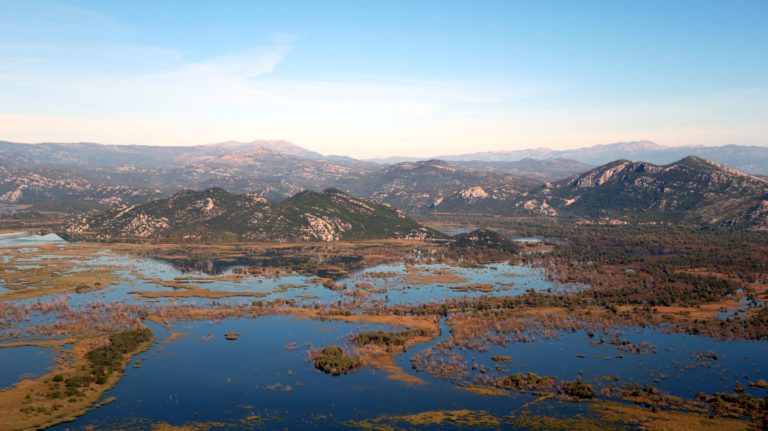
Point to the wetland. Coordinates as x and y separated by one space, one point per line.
389 334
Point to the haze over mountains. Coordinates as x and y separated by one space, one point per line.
751 159
80 177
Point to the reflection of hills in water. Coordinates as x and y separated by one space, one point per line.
299 258
27 238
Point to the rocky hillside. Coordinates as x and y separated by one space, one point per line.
62 189
691 190
77 177
274 170
423 186
217 215
546 169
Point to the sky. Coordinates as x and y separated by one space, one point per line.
382 78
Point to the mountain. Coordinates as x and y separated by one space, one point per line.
68 155
272 169
691 190
420 186
751 159
59 189
282 147
217 215
543 169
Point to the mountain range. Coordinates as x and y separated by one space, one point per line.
751 159
81 177
69 176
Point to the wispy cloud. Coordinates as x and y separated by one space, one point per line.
68 73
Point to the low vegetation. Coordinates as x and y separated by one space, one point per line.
389 339
334 360
528 381
576 389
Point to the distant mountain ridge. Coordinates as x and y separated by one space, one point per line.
691 190
217 215
751 159
144 156
56 174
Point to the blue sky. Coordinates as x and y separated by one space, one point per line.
368 78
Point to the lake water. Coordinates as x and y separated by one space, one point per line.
27 238
676 364
17 363
259 382
228 381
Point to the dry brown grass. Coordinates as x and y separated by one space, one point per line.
418 275
485 390
196 292
665 420
51 411
190 426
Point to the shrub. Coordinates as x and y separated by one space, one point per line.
388 339
577 389
334 360
522 382
107 359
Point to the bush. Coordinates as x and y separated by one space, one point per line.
388 339
334 360
107 359
522 382
577 389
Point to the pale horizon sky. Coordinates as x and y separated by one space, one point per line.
378 79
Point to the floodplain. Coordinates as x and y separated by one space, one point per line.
363 335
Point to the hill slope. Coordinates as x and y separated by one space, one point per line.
54 188
217 215
691 190
423 185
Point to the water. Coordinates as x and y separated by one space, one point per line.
677 364
26 238
228 381
381 284
23 362
505 279
203 377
